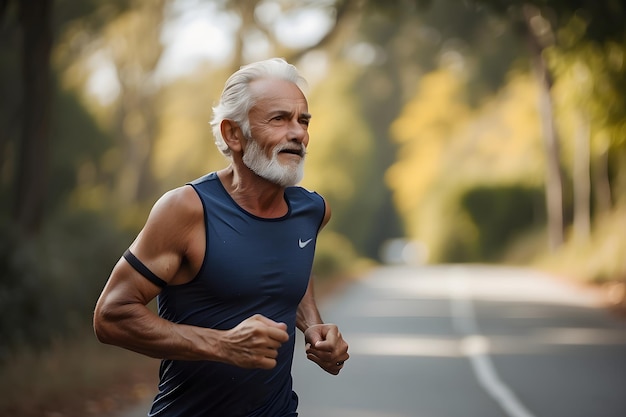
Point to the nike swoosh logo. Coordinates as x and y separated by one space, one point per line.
303 244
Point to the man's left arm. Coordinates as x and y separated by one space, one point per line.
324 344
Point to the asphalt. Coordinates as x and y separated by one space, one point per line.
471 341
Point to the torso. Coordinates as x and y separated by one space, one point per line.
250 265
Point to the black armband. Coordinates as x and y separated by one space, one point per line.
143 270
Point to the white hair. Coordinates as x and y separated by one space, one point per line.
236 99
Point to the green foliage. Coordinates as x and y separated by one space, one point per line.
448 149
590 81
462 158
184 148
344 162
500 215
10 116
49 285
92 14
79 144
604 18
27 311
334 255
411 40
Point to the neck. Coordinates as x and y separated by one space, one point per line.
254 194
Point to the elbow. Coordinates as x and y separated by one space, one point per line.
101 334
103 327
100 331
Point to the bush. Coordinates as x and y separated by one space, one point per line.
28 307
502 214
49 284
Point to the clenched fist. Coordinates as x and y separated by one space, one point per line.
325 346
254 343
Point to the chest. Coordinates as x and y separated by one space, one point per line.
247 257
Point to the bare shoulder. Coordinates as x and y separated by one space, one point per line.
179 204
173 222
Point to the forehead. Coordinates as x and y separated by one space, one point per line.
273 94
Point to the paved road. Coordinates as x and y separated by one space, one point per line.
467 341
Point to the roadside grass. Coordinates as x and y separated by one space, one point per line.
598 262
74 378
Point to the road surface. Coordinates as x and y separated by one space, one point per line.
467 341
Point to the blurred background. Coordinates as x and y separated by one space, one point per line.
444 131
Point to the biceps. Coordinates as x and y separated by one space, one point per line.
127 286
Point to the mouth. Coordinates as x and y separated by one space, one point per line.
293 151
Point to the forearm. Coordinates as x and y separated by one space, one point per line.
308 313
135 327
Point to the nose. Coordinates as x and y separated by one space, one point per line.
298 133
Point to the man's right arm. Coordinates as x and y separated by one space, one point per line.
122 317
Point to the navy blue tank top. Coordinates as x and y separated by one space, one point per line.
251 265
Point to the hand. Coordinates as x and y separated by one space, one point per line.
325 346
254 342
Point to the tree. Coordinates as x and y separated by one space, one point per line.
132 42
539 35
406 41
39 23
35 24
541 21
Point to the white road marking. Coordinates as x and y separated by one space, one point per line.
476 346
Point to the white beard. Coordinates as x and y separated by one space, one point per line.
271 169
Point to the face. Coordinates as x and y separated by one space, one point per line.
279 132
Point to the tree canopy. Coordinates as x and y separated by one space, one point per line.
427 126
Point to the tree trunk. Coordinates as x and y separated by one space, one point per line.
554 180
245 10
582 180
35 22
618 181
136 121
601 182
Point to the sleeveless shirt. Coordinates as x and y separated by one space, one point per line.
251 265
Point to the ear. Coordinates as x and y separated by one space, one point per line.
232 134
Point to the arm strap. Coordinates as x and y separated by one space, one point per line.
143 270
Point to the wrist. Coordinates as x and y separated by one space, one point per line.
306 325
212 345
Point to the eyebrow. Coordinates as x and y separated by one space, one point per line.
307 116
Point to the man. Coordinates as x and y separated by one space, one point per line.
229 257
